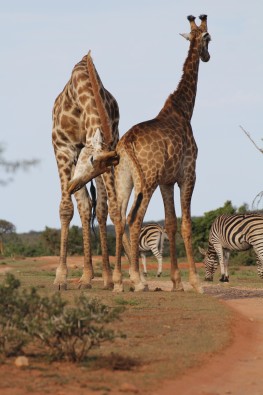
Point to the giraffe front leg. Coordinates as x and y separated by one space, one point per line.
101 214
66 214
84 209
117 274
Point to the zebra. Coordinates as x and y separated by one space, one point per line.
236 232
151 238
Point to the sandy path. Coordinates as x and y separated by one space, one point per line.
236 371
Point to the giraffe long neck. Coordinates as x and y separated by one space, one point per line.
183 98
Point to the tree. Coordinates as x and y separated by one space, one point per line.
5 228
259 196
51 240
13 166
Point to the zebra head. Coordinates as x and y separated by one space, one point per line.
210 262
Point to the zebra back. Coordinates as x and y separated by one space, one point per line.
237 231
151 238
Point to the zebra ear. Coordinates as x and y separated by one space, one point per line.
202 251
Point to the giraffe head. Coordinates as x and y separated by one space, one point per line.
200 35
92 162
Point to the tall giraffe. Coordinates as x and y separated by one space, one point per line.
162 151
85 118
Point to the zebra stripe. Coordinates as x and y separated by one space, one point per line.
151 238
237 232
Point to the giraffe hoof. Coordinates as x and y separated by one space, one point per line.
108 286
178 288
141 288
118 288
84 286
159 274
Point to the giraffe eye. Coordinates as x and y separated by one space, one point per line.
91 159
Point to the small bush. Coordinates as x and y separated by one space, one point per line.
12 337
65 332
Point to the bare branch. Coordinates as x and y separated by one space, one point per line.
250 138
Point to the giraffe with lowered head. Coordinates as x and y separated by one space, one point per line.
85 119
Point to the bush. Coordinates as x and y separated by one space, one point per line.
65 332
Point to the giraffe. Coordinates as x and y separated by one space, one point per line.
162 152
85 118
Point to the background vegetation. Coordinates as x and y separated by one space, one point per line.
47 242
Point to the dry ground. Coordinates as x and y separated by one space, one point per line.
234 366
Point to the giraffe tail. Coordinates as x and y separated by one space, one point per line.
135 208
97 87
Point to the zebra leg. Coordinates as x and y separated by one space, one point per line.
143 258
225 277
220 253
260 267
160 265
258 252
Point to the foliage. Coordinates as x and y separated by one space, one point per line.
12 166
12 336
65 332
48 241
6 227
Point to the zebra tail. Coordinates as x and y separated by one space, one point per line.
130 149
136 207
94 205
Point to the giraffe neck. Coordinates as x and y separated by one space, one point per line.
183 98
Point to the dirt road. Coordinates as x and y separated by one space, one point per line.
236 371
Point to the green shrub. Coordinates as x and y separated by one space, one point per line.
12 336
65 332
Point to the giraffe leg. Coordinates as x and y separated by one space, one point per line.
123 188
167 192
136 276
66 213
101 214
66 209
84 209
109 183
186 190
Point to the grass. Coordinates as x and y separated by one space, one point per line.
166 333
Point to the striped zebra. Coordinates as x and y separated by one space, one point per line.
237 232
152 237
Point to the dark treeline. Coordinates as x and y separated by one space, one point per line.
47 242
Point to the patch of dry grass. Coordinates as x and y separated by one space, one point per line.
166 333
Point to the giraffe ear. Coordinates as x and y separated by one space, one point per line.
97 140
186 35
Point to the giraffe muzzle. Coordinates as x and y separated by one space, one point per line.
101 164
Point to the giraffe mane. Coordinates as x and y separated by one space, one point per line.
103 114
